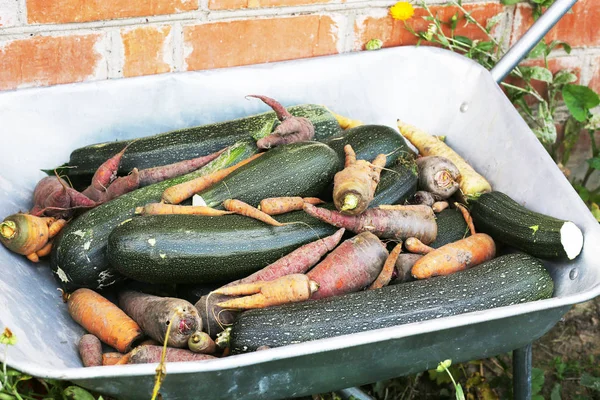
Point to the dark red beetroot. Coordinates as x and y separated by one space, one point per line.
292 129
90 350
353 265
152 354
53 197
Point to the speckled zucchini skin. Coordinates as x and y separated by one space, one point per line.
78 257
451 227
506 280
302 169
196 249
184 144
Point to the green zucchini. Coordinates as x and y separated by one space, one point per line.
183 144
78 257
451 227
196 249
540 235
368 141
506 280
302 169
397 183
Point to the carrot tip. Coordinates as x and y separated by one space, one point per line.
350 202
8 229
314 286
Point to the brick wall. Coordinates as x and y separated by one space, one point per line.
47 42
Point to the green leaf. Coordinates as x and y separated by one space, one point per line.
595 211
60 170
539 50
538 73
464 39
579 100
537 397
563 77
583 192
593 122
545 130
571 136
485 46
78 393
537 380
374 44
555 395
454 21
594 162
590 382
460 395
443 365
510 2
558 43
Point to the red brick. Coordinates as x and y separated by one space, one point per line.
64 11
46 60
227 44
595 80
8 13
145 50
579 28
394 33
237 4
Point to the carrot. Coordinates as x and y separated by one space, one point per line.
90 350
178 193
281 205
104 319
29 235
152 354
297 262
284 290
153 314
354 186
456 256
111 358
292 129
385 276
201 342
438 176
404 264
414 245
241 208
471 183
345 122
439 206
163 209
104 175
54 198
351 266
154 175
396 224
466 216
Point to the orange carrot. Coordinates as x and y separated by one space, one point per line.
354 186
163 209
281 205
439 206
201 342
111 358
241 208
414 245
287 289
385 276
104 319
29 235
467 217
456 256
178 193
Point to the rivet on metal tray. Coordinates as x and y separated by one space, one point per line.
464 107
574 274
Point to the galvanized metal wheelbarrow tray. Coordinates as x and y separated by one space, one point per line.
437 90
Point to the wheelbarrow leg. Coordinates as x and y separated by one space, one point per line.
522 373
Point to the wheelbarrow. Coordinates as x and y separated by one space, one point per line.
437 90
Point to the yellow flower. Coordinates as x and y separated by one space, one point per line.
402 10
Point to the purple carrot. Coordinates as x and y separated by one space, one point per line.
353 265
152 354
53 198
150 176
104 175
297 262
90 350
404 264
397 224
292 129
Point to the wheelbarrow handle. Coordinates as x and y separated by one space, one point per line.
528 41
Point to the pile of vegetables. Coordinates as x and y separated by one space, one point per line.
276 229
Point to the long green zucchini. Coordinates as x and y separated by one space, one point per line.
537 234
451 227
78 256
509 279
196 249
183 144
368 141
302 169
